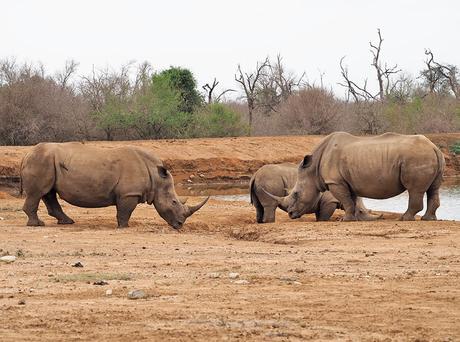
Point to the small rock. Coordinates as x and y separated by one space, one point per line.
136 294
108 292
191 176
241 282
297 283
101 283
189 181
233 275
77 264
8 258
22 302
1 218
287 278
201 175
214 275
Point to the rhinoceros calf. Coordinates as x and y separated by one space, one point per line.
278 179
94 177
376 167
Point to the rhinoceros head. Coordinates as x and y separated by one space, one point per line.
168 204
304 196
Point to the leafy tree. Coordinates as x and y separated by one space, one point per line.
182 80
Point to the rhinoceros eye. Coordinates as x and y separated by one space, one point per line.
174 202
295 195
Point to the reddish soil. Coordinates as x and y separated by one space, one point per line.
298 279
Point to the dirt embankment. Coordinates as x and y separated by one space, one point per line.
231 160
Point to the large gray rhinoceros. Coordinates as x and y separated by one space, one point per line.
278 180
94 177
376 167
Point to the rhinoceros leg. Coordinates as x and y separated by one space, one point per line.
432 202
30 208
125 207
55 209
415 205
342 193
325 211
269 214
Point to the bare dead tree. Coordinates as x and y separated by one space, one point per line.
357 92
383 73
248 82
209 90
438 72
62 78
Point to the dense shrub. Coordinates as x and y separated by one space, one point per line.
218 120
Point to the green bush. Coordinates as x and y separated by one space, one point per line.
218 120
455 148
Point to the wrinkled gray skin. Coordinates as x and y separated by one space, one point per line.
375 167
93 177
278 179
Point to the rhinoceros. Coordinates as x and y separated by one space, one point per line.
376 167
95 177
278 179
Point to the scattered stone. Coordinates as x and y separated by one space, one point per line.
108 292
297 283
189 181
214 275
136 294
201 175
22 302
299 270
287 278
241 282
1 218
77 264
8 258
233 275
101 283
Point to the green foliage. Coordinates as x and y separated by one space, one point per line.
183 81
455 148
157 112
218 120
112 115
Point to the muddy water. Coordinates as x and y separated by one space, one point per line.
449 194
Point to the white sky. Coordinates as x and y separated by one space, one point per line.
212 37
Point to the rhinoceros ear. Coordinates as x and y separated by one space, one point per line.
306 162
162 171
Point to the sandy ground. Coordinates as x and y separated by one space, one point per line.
297 279
380 281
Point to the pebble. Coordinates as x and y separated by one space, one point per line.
101 283
136 294
287 278
233 275
22 302
214 275
77 264
1 218
242 282
8 258
108 292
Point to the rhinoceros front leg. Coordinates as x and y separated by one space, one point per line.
125 207
269 214
55 209
342 193
325 210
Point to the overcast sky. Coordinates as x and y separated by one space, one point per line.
212 37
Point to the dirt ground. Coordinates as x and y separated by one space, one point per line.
296 279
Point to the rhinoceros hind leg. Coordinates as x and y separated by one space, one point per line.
55 209
342 193
125 207
415 205
30 208
269 214
432 200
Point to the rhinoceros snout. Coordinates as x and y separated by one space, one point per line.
178 225
293 215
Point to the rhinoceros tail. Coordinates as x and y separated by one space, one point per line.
255 201
21 190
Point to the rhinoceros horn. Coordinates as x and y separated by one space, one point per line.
192 209
282 201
